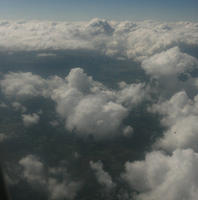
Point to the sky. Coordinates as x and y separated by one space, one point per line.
76 10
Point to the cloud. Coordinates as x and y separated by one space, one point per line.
128 131
22 84
87 106
46 54
168 67
3 105
19 107
136 40
54 123
164 177
169 62
33 169
179 116
64 188
30 119
56 181
102 176
3 137
91 108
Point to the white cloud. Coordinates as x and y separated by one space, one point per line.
33 169
30 119
137 40
180 116
167 67
87 106
169 62
90 108
35 172
22 84
164 177
102 176
61 190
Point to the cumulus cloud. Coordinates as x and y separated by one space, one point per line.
136 40
169 62
173 71
56 181
164 177
179 115
102 176
30 119
91 108
33 169
87 106
64 188
22 84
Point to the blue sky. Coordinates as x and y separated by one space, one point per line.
75 10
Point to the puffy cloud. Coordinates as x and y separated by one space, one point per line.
164 177
33 169
137 40
102 176
56 181
22 84
179 115
172 70
90 108
87 106
30 119
99 26
95 115
169 62
64 188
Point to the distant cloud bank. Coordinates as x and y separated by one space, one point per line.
136 40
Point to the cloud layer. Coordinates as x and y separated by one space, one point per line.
88 107
136 40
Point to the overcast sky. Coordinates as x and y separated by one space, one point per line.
75 10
